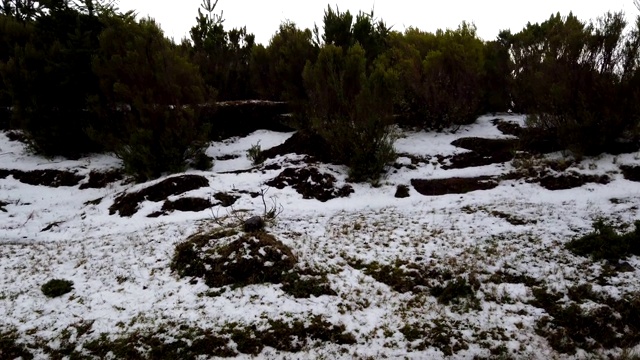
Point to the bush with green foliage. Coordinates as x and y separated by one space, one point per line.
352 109
577 80
278 67
341 30
149 101
442 76
605 243
223 57
46 70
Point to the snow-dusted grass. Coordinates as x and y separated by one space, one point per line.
122 282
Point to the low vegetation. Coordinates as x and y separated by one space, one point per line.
604 242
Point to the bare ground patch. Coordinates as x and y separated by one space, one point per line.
127 204
310 183
456 185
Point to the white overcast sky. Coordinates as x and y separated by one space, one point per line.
262 18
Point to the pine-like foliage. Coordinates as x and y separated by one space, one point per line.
150 96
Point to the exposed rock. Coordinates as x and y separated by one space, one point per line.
254 223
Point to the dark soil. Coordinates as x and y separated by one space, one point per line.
225 200
99 180
453 185
2 206
310 183
127 204
631 173
507 127
192 204
227 157
486 146
483 152
571 180
302 143
50 178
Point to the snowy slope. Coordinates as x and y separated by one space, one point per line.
123 283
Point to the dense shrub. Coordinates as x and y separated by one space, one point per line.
150 97
442 75
222 56
605 243
351 109
46 70
283 61
578 80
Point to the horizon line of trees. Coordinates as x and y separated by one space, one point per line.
81 76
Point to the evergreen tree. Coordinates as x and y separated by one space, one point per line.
150 96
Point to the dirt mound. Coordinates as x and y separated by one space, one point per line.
50 178
99 180
127 204
303 143
483 152
310 183
571 180
250 259
454 185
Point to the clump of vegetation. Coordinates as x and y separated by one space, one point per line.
442 75
611 323
159 130
440 335
188 344
254 153
56 287
11 349
606 243
456 290
289 336
351 108
578 80
403 276
252 258
302 284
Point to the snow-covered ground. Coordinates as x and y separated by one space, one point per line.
122 281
